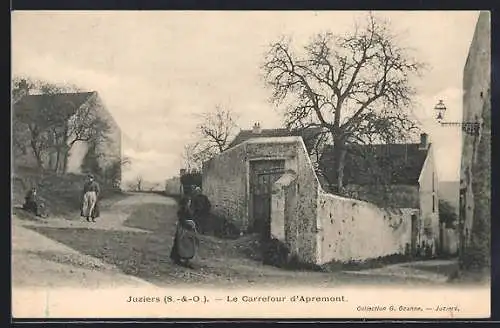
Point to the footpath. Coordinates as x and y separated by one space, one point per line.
38 261
430 270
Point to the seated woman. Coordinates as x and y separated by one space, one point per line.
33 203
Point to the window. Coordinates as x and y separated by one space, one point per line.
433 203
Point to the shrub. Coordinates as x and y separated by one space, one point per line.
447 214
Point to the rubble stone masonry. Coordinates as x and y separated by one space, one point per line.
475 180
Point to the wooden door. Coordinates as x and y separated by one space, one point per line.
263 175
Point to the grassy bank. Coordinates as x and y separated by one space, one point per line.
60 193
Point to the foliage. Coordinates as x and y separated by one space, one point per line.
357 86
113 172
447 214
90 162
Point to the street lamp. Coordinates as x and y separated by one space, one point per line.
471 128
440 109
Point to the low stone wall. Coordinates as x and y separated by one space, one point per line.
353 230
450 241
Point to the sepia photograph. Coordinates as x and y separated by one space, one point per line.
251 164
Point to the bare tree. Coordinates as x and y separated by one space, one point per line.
85 125
217 128
38 124
214 133
356 86
195 154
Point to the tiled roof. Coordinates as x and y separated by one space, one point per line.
308 135
401 162
66 103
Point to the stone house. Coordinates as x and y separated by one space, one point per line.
401 176
475 178
269 185
69 104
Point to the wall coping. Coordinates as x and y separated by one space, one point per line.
359 201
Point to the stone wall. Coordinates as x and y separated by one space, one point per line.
317 227
450 241
429 201
353 230
173 186
475 180
224 182
282 205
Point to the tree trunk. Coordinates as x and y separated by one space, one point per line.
56 167
37 154
35 135
340 169
66 148
339 163
65 160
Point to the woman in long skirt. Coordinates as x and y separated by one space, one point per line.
90 205
186 239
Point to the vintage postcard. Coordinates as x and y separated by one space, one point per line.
251 164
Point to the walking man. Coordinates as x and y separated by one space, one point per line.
90 206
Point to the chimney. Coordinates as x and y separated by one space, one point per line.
256 128
423 141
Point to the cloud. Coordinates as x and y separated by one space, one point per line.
155 70
151 165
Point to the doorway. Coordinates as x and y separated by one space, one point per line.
263 174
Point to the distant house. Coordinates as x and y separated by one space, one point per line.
67 105
393 176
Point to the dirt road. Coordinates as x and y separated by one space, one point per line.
130 244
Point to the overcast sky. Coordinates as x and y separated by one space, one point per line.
155 70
